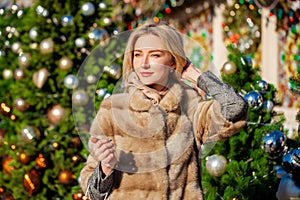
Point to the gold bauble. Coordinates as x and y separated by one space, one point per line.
6 165
65 63
56 114
40 77
229 68
47 46
32 181
66 177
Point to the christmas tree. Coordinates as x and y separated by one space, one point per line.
41 51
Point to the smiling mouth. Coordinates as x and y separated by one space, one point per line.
146 74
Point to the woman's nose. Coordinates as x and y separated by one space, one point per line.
145 62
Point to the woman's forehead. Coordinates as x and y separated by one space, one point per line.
149 42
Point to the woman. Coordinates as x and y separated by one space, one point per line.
145 143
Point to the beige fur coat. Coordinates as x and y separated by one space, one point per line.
157 145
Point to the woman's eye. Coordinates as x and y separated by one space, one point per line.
155 55
136 54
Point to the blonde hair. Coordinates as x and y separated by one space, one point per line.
172 41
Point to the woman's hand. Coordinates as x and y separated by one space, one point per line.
191 73
103 151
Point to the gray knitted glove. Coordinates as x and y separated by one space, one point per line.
234 107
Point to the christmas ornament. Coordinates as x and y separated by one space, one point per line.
98 35
274 144
280 172
91 79
246 61
80 42
24 60
101 92
29 133
19 74
65 63
2 52
24 158
268 105
32 182
229 68
80 97
40 10
40 77
216 165
291 163
263 85
66 177
6 165
76 159
102 5
88 9
42 161
107 21
254 99
287 189
76 141
47 46
2 190
71 81
5 109
67 20
21 105
56 114
113 71
7 73
16 47
78 196
33 34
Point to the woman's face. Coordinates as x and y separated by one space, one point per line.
151 61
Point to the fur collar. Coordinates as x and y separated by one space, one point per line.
170 102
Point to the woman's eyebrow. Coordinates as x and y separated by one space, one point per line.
151 51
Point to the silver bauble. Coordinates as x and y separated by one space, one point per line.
7 73
101 92
268 105
2 53
16 47
254 99
88 9
80 42
274 144
113 71
33 33
91 79
216 165
80 97
71 81
29 133
65 63
263 85
229 68
14 8
102 5
47 46
24 60
19 74
287 189
67 20
98 35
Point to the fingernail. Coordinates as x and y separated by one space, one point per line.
109 140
